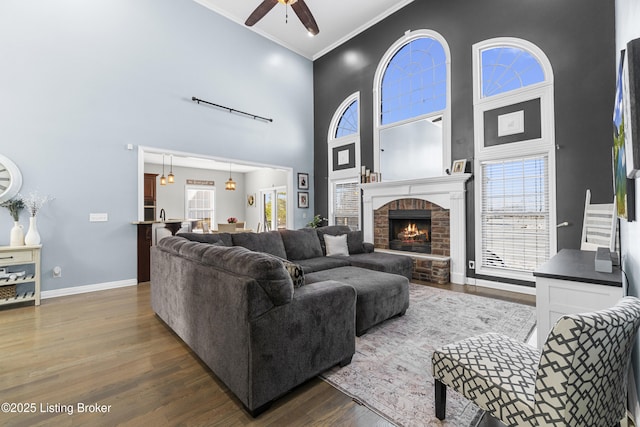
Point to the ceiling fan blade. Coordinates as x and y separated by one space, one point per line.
260 11
303 12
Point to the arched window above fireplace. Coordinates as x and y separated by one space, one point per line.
412 108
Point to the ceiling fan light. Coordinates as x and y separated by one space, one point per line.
287 2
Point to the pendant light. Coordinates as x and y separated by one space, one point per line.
163 179
230 185
171 177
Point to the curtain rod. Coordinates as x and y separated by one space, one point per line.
231 110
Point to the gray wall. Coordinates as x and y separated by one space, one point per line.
577 37
82 79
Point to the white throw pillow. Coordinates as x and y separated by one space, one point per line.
336 245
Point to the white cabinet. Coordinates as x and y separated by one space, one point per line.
21 268
569 284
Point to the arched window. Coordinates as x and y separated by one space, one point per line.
343 149
412 113
348 124
508 68
514 158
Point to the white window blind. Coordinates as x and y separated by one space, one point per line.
346 204
515 213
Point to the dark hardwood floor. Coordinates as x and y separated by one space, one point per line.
106 358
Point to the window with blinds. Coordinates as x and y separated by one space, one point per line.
515 213
346 204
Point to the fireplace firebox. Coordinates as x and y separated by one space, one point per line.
410 230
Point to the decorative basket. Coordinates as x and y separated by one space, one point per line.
7 292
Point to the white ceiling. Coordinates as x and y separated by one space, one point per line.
338 21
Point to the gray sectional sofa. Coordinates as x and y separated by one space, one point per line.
268 311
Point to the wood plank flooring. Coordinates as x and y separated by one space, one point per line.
107 359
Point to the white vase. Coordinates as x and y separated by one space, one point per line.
17 235
32 237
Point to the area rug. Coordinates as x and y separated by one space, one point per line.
391 370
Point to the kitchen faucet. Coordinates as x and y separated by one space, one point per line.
163 215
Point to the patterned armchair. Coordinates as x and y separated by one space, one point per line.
579 378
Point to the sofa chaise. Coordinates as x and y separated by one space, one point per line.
238 301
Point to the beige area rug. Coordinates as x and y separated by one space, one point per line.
391 370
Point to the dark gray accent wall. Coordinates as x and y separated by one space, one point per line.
532 124
577 37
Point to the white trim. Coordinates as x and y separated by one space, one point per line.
446 191
343 175
74 290
377 84
543 146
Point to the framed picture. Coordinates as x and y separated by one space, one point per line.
303 181
631 107
459 166
251 199
303 199
624 188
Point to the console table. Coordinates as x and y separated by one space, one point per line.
568 284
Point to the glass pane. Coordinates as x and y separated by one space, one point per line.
412 150
515 214
282 210
267 199
414 82
508 68
348 124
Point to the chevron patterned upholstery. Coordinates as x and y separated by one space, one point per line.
579 378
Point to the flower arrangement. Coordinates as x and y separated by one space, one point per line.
34 202
14 205
232 220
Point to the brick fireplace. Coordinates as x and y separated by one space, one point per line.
443 196
413 210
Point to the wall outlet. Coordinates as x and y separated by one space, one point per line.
57 271
98 217
472 264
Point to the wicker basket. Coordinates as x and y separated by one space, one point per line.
7 292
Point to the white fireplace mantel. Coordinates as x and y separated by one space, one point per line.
446 191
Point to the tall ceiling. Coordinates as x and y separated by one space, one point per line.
338 21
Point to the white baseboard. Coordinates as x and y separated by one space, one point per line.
88 288
503 286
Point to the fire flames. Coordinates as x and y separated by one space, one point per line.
412 233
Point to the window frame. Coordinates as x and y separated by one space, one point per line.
188 187
543 146
407 38
273 191
344 175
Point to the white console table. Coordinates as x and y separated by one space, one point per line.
568 284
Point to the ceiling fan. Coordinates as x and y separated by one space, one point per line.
299 7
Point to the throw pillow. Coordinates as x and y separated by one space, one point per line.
336 245
295 271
